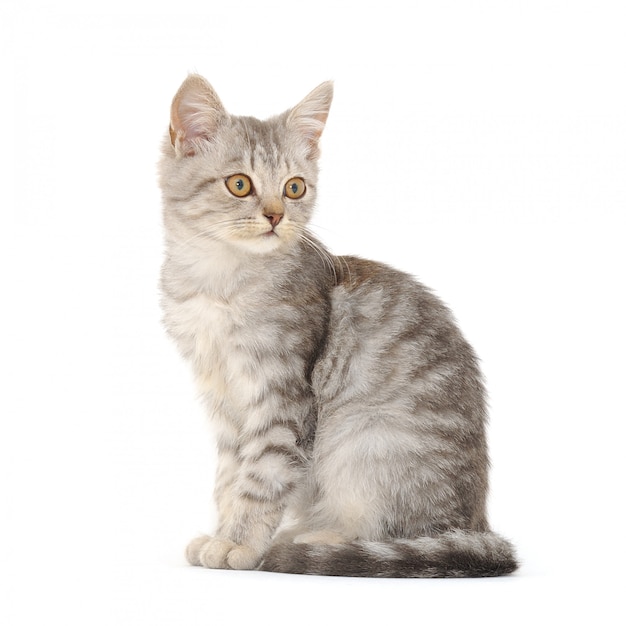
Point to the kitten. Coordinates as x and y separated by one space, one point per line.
348 408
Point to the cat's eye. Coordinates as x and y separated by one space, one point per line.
295 188
239 185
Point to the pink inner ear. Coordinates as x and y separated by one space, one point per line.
190 120
196 119
196 111
309 116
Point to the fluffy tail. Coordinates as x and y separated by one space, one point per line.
454 554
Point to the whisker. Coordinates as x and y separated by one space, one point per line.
319 227
215 231
326 257
344 268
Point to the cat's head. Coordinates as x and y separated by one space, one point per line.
239 180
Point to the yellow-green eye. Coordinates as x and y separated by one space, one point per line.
239 185
295 188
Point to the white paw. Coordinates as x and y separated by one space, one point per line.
216 553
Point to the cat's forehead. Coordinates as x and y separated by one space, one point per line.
262 144
261 141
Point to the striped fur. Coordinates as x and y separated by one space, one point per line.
349 410
453 554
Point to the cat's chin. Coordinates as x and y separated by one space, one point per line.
262 244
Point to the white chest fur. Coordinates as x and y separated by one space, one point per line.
218 338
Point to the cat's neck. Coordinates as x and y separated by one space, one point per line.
220 269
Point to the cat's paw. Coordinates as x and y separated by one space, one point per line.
208 551
216 553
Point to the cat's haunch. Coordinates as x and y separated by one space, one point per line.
349 411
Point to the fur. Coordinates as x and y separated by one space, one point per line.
349 411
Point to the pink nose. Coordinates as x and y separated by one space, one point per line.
274 219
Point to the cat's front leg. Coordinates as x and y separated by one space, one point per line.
213 552
255 480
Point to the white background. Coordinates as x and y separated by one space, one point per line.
478 145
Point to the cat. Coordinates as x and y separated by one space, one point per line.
349 411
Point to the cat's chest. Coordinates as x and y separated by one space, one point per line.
219 337
206 326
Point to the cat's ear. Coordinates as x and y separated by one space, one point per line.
308 118
195 115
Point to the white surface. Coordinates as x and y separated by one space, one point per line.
480 146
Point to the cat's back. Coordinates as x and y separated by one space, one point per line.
392 340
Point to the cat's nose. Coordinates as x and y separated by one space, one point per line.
274 218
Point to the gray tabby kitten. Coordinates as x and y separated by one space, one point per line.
349 409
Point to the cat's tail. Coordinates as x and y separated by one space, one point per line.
453 554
